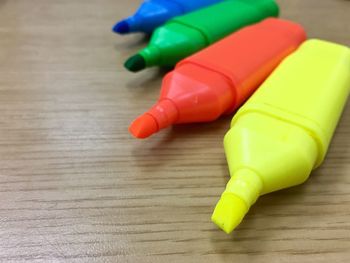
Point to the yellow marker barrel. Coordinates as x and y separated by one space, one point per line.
283 132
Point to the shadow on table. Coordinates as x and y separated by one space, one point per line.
131 42
179 141
149 79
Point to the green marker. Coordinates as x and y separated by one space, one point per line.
185 35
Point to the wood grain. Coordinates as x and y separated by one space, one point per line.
75 187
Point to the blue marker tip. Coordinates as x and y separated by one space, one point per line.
122 27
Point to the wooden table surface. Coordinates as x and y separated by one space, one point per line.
74 185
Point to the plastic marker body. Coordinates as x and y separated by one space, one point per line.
282 133
154 13
185 35
220 78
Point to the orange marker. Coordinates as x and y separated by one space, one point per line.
218 79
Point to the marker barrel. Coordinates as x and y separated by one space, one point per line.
154 13
185 35
220 78
283 132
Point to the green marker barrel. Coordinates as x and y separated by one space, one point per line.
185 35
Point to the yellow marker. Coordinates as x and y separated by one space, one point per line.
284 130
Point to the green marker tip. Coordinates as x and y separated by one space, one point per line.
135 63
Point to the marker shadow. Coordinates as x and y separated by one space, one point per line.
175 141
149 79
131 42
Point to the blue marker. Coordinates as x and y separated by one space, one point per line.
154 13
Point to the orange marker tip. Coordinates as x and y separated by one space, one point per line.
143 127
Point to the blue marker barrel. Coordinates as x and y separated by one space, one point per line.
154 13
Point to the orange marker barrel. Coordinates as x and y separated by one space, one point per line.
220 78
